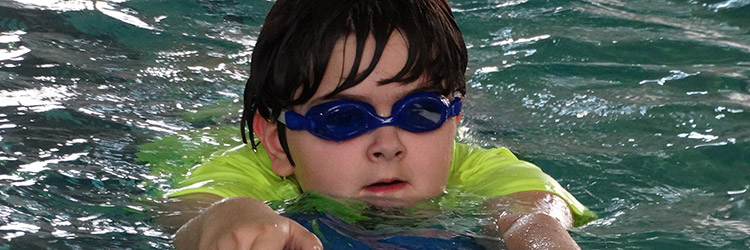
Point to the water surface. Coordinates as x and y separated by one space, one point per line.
640 108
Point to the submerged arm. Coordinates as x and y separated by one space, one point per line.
531 220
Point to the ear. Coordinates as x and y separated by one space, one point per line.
268 135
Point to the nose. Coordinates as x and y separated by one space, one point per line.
387 145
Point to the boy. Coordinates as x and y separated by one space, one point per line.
361 99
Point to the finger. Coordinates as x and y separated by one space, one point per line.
272 237
238 238
300 238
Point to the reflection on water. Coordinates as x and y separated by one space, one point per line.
12 53
54 5
640 108
36 100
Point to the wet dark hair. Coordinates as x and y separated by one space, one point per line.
295 43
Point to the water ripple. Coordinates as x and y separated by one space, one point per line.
730 4
37 100
682 27
12 51
675 75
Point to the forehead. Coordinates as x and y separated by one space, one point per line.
343 59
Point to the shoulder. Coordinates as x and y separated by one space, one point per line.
238 172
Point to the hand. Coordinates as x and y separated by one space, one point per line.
243 223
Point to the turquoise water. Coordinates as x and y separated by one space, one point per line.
640 108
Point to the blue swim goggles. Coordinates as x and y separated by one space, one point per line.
345 119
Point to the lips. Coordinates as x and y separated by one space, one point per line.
386 186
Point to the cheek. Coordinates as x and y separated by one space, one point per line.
433 153
321 165
442 142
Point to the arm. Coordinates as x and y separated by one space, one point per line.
233 223
531 220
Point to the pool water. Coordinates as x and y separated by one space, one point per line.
640 108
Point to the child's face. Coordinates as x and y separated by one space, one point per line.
387 166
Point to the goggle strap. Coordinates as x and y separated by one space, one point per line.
282 117
455 107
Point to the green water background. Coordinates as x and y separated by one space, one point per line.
639 108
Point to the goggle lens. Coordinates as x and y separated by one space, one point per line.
344 119
422 115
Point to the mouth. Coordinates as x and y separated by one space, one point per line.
385 186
